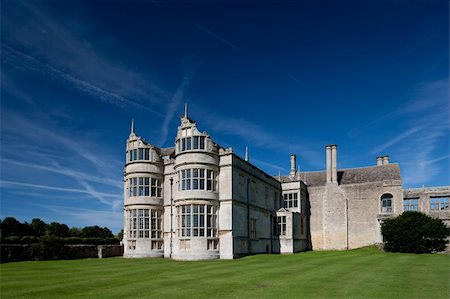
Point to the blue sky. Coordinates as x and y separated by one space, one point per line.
280 77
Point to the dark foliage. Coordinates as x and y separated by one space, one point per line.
38 227
48 248
414 232
58 230
96 232
14 232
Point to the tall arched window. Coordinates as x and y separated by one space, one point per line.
386 203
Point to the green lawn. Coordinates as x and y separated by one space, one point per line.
362 273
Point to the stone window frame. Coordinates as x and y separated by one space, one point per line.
197 179
386 203
439 203
144 224
281 221
411 204
252 228
144 186
197 220
192 143
139 154
290 200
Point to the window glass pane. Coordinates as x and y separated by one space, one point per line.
202 142
195 145
188 143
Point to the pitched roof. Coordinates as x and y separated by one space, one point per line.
349 176
167 151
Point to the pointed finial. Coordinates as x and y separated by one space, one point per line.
279 175
185 110
246 153
132 126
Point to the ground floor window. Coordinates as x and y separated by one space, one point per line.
139 223
411 204
157 245
281 220
132 245
213 244
253 228
196 220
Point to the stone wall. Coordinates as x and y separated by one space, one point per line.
349 216
16 253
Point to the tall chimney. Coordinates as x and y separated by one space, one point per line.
328 149
379 161
334 163
385 160
293 165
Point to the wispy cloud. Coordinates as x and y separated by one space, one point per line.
395 140
19 59
218 37
189 71
420 147
258 136
5 183
29 43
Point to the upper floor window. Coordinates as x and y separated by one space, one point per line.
290 200
386 203
439 203
138 154
192 143
197 179
411 204
144 186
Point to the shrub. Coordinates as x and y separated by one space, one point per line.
29 240
48 248
11 240
414 232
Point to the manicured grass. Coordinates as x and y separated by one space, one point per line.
362 273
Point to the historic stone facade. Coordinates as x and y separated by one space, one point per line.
198 200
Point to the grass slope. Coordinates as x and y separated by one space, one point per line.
362 273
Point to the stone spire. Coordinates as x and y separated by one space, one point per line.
132 126
246 153
185 110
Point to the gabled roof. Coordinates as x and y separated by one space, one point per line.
167 151
349 176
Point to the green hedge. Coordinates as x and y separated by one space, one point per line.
64 241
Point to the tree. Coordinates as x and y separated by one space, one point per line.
38 227
58 230
414 232
97 232
10 226
120 235
75 232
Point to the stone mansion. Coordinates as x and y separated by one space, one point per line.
198 200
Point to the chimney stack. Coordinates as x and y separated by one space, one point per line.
379 161
331 163
385 160
328 151
334 163
293 165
